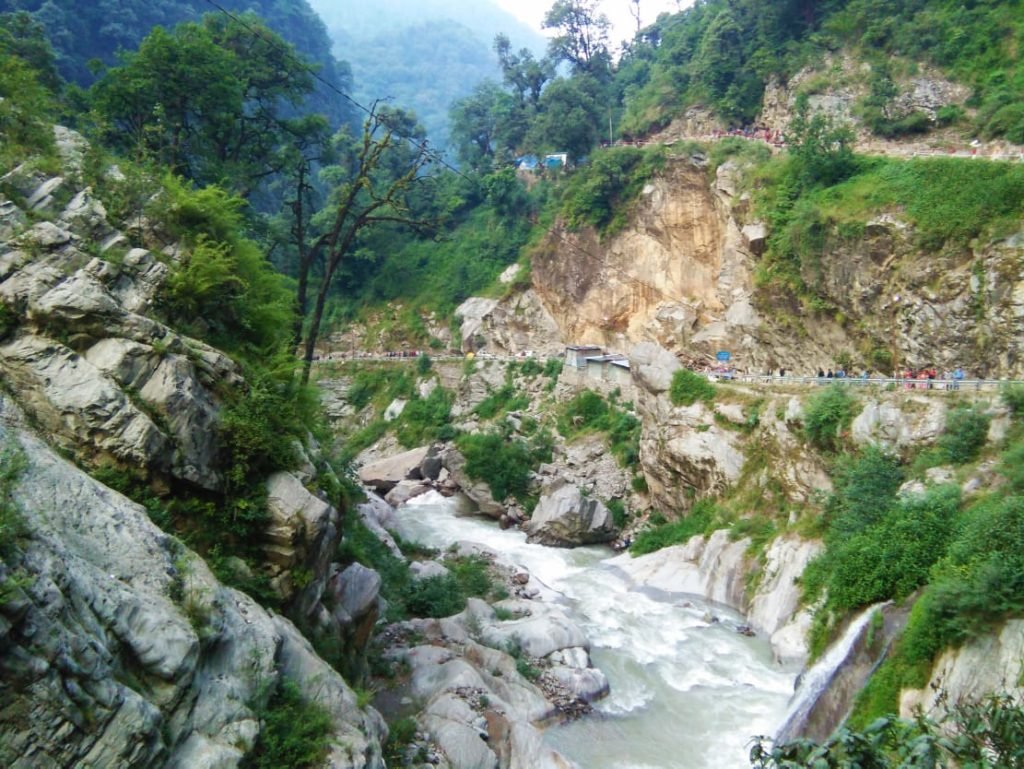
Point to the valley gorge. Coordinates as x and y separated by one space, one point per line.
319 448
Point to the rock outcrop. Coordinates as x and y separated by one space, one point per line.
120 648
477 706
992 663
719 569
565 518
87 360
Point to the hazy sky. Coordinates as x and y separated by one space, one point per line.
617 11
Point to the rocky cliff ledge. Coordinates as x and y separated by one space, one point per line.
120 649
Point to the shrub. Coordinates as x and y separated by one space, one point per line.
888 556
698 521
500 401
423 364
865 487
618 510
687 388
586 410
965 433
295 733
1013 397
12 464
434 597
504 465
827 415
600 193
425 419
223 290
8 321
401 734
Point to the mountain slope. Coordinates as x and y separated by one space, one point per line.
97 29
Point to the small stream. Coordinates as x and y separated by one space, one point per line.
685 693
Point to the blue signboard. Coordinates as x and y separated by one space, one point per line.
723 355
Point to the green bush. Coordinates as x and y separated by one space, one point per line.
8 321
687 388
504 465
12 464
425 419
1013 397
423 364
826 415
965 434
295 733
401 734
864 488
434 597
618 510
889 556
585 411
500 401
26 113
697 521
601 193
223 290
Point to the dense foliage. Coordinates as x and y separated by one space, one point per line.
439 596
977 733
827 415
668 533
688 388
721 53
85 32
296 732
589 412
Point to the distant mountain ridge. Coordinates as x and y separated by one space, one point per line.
422 55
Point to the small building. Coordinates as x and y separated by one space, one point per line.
619 374
527 162
602 368
556 160
576 355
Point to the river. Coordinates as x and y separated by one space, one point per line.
686 693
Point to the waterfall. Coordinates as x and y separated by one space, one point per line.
816 680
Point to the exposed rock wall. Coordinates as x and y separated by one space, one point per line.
992 663
719 569
120 649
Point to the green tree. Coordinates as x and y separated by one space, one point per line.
372 184
206 99
24 37
570 118
523 73
822 149
581 35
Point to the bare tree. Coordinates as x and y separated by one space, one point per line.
374 179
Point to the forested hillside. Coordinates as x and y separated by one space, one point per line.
82 33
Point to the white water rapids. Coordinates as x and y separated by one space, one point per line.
685 693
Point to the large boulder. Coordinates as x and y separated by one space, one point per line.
566 518
384 474
652 367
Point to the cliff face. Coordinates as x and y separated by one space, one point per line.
677 268
120 649
119 646
682 274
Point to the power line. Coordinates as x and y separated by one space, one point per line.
420 146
